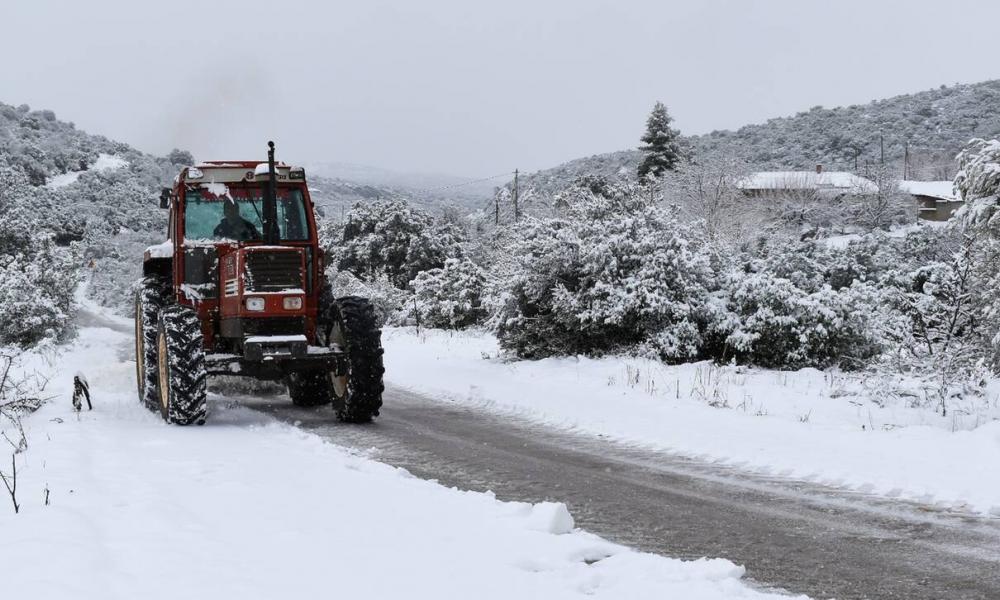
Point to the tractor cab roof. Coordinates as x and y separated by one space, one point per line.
238 171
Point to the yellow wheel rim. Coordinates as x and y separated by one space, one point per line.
162 368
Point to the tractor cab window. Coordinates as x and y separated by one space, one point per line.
216 212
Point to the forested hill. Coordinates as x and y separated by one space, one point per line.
73 207
43 147
935 123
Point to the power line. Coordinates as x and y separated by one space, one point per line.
464 183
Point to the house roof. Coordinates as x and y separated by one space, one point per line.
942 190
840 181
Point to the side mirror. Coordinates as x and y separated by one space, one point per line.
165 198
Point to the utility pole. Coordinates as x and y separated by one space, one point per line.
857 153
517 211
906 159
881 149
496 200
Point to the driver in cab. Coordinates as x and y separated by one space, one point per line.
235 227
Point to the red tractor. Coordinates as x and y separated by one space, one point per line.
238 289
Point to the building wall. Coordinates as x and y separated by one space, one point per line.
933 209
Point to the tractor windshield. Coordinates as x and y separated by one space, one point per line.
217 212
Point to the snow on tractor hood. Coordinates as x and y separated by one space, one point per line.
161 250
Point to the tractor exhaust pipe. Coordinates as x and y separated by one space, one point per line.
271 200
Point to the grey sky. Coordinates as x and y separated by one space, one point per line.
463 87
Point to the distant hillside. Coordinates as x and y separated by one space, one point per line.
935 123
460 188
335 195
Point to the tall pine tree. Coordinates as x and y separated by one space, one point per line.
662 151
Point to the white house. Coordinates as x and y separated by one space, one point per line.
832 184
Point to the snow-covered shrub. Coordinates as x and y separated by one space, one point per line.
978 169
806 264
36 293
392 305
770 322
394 238
618 272
936 303
37 278
451 297
978 181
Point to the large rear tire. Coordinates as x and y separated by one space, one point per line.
183 398
350 324
150 297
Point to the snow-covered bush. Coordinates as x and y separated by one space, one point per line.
770 322
618 272
392 237
978 181
451 297
936 303
36 293
807 264
37 278
392 305
978 169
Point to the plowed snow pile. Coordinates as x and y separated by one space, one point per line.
248 508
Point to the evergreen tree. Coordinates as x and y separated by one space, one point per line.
661 150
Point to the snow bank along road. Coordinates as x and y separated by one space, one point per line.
117 505
799 536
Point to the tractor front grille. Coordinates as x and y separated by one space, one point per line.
274 326
273 271
236 328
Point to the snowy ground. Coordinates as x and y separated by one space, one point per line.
830 427
248 508
104 162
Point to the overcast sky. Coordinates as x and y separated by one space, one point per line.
464 87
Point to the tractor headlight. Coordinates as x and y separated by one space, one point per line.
255 304
292 303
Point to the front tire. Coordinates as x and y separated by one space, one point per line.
350 324
150 297
182 393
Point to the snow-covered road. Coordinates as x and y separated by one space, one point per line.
795 535
867 433
115 504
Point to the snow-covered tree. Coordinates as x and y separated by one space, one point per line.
886 206
978 170
451 297
661 152
617 272
37 287
180 158
707 193
394 238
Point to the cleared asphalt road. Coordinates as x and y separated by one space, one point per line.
794 536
